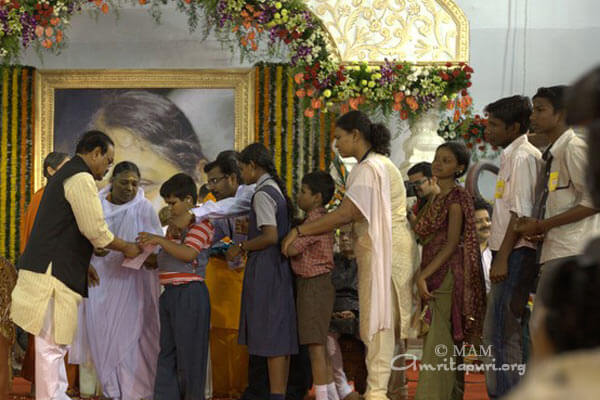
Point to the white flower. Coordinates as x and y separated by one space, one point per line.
407 92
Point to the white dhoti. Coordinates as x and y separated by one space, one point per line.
50 373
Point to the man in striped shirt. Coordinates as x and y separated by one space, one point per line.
184 305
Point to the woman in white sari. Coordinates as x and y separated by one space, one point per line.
119 324
375 202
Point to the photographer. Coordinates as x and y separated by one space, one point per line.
422 184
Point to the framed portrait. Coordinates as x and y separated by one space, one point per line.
164 121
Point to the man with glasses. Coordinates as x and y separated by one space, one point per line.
424 183
229 215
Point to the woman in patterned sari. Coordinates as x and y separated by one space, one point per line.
451 279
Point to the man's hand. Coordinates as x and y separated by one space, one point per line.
131 250
93 278
528 227
288 240
499 269
150 262
98 252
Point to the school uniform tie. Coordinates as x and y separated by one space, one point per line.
541 194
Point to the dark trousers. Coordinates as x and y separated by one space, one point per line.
503 326
184 331
299 379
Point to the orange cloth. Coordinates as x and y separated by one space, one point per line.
29 217
229 360
229 363
225 289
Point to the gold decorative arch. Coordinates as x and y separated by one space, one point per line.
420 31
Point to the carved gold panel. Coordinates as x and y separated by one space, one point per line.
421 31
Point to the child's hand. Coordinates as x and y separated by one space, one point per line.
233 252
145 238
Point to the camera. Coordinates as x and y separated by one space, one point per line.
411 189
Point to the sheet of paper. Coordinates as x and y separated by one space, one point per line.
137 262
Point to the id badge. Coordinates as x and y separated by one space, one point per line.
499 188
553 181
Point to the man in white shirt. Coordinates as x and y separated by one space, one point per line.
483 222
513 269
567 217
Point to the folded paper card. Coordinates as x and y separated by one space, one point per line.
137 262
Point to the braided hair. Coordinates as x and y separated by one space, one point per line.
258 153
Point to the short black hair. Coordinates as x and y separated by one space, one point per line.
481 204
53 160
423 167
179 185
320 182
554 94
92 139
227 161
511 110
203 192
460 151
125 166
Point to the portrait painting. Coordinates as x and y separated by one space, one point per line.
166 122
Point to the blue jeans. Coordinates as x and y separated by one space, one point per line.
502 329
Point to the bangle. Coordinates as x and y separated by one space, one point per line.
241 246
298 231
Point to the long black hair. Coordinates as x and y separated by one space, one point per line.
258 153
156 119
378 135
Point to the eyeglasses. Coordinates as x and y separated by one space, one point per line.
214 181
420 182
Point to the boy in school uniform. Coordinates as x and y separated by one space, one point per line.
312 261
564 215
184 305
513 270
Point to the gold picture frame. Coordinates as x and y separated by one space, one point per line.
49 81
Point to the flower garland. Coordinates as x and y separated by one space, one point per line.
16 153
470 130
392 87
41 23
